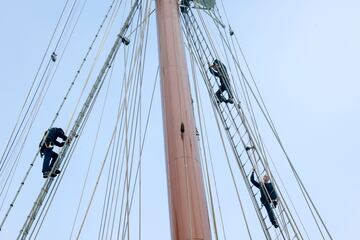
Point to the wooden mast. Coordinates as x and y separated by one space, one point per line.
188 209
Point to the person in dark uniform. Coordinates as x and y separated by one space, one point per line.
184 5
268 196
46 149
218 69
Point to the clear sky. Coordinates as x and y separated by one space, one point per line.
304 56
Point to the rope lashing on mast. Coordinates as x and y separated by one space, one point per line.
238 132
31 217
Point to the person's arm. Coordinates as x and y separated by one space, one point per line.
61 134
42 149
59 144
252 179
213 71
273 194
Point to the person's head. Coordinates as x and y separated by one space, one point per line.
216 63
266 178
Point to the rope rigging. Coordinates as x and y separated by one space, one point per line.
82 64
73 133
263 108
121 163
238 133
139 76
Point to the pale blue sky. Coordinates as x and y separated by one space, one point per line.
304 56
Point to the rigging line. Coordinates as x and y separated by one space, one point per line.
126 144
233 177
229 165
144 21
286 192
64 99
113 157
100 49
55 187
146 127
141 151
260 138
234 57
119 179
104 206
119 149
213 46
99 175
28 125
248 102
44 95
57 181
65 25
22 122
272 126
27 128
204 75
79 68
66 163
242 170
77 123
92 153
86 55
198 104
256 127
33 82
129 177
134 8
113 168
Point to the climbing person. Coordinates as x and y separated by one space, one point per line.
53 57
46 149
218 69
268 196
184 5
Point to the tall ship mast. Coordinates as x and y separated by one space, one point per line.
104 167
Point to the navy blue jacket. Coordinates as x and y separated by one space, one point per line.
221 73
51 139
269 188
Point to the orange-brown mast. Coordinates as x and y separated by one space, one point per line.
188 209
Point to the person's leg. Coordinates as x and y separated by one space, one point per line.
228 90
270 212
47 158
54 157
219 92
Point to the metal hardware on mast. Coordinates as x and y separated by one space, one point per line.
44 190
188 209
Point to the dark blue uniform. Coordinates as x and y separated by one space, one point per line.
46 149
267 196
221 72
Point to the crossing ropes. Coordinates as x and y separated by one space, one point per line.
242 139
81 117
